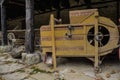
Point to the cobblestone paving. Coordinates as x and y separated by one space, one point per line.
14 69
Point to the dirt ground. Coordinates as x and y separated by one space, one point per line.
68 69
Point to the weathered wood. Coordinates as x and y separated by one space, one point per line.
3 24
29 34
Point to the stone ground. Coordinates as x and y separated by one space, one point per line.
69 69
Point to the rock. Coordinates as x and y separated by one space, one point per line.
60 75
17 52
24 56
72 71
5 49
1 78
31 58
108 75
15 76
56 75
113 72
98 77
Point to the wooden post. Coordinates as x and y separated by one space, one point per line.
3 24
96 65
29 34
53 41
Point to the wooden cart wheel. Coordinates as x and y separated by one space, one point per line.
10 37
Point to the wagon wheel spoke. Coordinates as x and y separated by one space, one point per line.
100 43
99 28
106 35
91 41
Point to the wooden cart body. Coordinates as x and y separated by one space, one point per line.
71 40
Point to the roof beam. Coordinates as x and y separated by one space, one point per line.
16 3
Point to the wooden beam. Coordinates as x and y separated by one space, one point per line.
29 34
15 3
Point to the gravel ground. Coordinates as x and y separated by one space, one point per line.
67 69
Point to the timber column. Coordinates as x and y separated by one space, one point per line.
3 24
30 57
4 47
29 34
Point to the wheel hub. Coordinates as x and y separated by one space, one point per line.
99 36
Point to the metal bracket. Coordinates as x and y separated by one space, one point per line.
69 32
